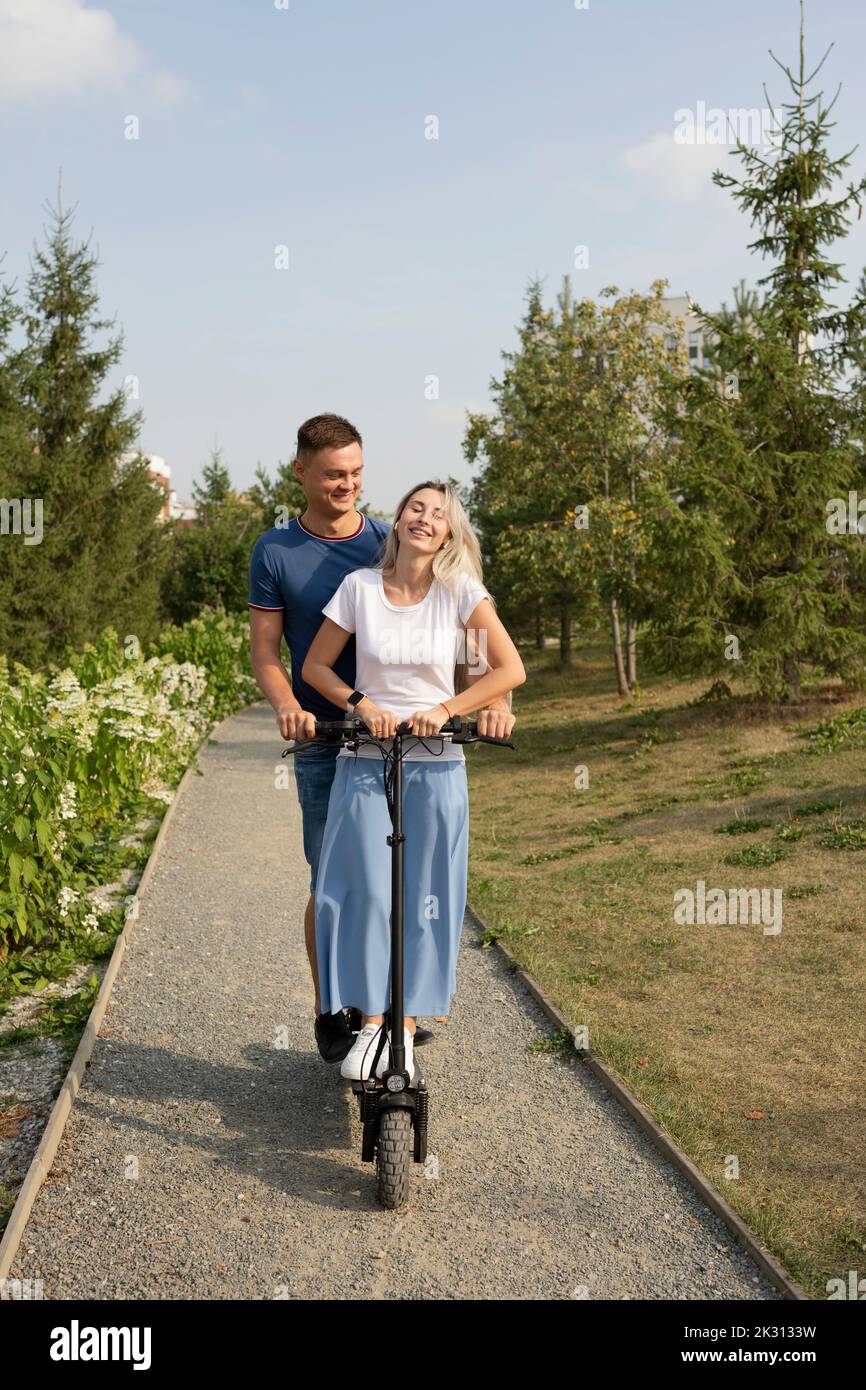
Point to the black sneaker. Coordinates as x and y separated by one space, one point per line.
334 1038
422 1036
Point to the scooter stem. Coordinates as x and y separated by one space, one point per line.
395 840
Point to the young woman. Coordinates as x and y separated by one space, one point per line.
414 615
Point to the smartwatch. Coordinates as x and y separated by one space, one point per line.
355 698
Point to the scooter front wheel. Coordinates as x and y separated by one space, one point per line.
394 1157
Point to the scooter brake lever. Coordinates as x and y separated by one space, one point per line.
306 743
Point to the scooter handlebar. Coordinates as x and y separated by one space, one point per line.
461 731
466 731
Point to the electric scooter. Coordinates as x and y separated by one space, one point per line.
393 1107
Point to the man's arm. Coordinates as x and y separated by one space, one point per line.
266 633
495 719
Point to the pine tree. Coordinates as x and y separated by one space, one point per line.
208 561
97 564
769 454
277 498
14 450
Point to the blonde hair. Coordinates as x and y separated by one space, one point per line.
460 554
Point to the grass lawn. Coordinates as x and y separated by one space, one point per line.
748 1047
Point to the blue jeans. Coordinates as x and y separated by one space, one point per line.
314 774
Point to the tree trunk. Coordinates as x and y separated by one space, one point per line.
616 635
539 625
631 654
565 634
792 676
631 626
619 668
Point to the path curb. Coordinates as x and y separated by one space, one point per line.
44 1156
745 1237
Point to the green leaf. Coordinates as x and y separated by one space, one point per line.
15 866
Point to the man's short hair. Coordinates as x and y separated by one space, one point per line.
325 432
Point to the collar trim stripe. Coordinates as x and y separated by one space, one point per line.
333 538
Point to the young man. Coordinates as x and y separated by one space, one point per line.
294 571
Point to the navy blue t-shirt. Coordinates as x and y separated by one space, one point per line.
293 569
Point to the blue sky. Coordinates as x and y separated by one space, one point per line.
304 127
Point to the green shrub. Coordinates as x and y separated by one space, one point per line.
87 750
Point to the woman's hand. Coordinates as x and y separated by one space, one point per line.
381 722
426 722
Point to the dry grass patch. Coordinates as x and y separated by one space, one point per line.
745 1046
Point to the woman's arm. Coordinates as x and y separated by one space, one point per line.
317 670
326 646
505 671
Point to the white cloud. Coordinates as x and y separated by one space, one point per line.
58 46
679 171
441 413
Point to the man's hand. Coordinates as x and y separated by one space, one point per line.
495 720
296 723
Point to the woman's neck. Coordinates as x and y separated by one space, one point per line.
412 574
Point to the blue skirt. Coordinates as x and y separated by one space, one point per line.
353 887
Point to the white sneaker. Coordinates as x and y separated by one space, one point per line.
358 1061
385 1059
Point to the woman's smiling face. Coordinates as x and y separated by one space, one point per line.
423 526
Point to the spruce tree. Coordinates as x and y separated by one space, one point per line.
773 429
208 562
14 448
97 563
279 497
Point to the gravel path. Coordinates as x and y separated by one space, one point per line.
211 1153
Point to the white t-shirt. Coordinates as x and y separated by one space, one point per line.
405 656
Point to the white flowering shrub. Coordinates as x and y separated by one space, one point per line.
86 750
217 643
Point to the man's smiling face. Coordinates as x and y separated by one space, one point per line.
332 479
